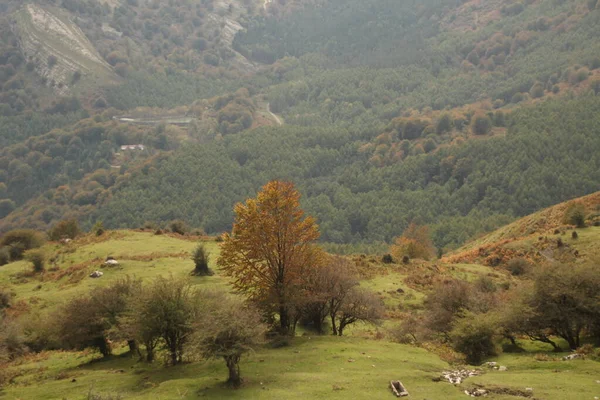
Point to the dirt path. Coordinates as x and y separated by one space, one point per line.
279 121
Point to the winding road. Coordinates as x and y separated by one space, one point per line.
279 121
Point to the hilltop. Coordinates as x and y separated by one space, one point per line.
537 237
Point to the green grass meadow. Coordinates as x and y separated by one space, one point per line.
310 367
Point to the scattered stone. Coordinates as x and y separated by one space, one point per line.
456 377
491 364
351 360
502 368
529 389
400 290
398 389
96 274
111 261
476 393
573 356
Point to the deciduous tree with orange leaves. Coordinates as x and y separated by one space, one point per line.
270 248
415 242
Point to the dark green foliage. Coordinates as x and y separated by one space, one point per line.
444 124
37 258
179 226
354 200
518 266
142 89
21 240
387 259
98 228
4 255
6 207
66 229
481 125
473 335
537 90
575 215
200 258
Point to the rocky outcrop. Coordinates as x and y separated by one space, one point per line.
59 50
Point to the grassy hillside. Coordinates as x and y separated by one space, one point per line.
535 236
360 365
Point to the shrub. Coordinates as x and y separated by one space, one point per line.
444 124
595 86
575 215
518 266
200 258
387 259
4 256
179 226
517 98
21 240
499 118
473 336
65 229
98 228
37 259
537 90
5 298
481 125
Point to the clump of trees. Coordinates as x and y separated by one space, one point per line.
560 301
273 261
168 315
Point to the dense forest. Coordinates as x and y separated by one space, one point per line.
456 114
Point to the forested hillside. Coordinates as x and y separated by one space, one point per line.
462 115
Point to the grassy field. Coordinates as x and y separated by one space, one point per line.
315 367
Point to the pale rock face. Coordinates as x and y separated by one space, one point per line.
43 34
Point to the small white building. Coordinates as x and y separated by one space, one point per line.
133 147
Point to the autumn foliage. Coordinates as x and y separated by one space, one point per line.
415 242
270 249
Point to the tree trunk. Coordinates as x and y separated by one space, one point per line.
573 341
333 326
104 346
234 379
284 321
133 347
149 354
173 351
318 324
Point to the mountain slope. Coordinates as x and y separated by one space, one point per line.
60 51
541 237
